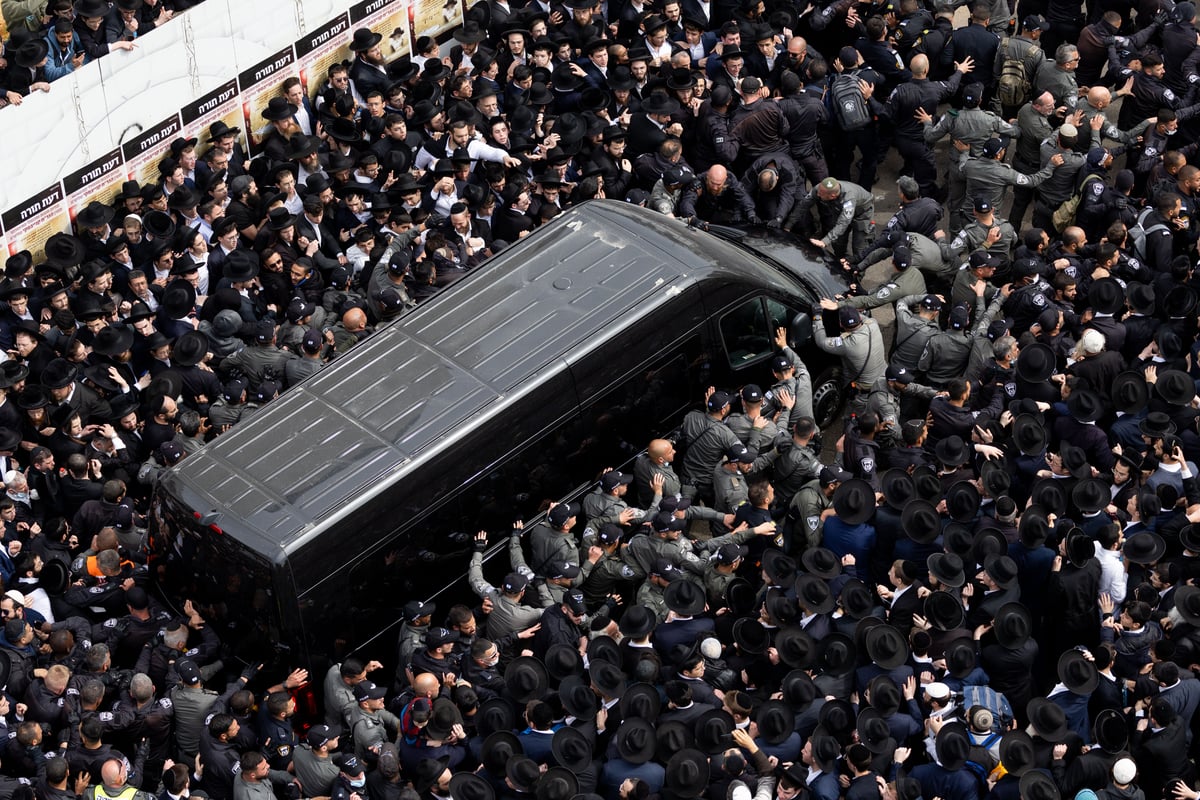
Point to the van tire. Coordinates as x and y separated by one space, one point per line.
828 397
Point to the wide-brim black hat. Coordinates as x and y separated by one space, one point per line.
1090 495
1112 731
10 439
713 730
577 698
64 250
1048 719
822 562
556 783
952 451
780 568
97 375
1187 602
920 521
608 679
1017 752
1038 785
571 749
856 599
640 700
776 721
960 659
603 648
190 349
1034 529
885 695
526 679
1144 547
563 661
953 746
55 577
496 714
948 568
926 484
522 772
962 501
813 594
1175 387
854 501
1029 434
1036 363
798 689
944 611
739 596
897 487
989 543
1130 392
837 718
837 654
445 716
750 636
795 647
59 374
1085 405
687 774
886 646
1077 673
1050 495
1080 548
178 299
469 786
658 103
873 731
684 598
1156 425
113 340
637 622
1107 296
673 736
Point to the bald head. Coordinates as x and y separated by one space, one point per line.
426 685
919 65
659 448
110 773
1099 97
354 320
717 174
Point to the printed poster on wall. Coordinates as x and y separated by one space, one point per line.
389 20
144 152
99 181
319 50
258 85
434 17
28 225
219 104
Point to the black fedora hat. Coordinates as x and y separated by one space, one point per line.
1187 602
837 654
1144 547
494 715
556 783
854 501
603 648
523 773
1180 301
897 487
526 679
995 476
59 374
886 646
1156 425
97 375
190 349
1029 434
641 700
1112 732
673 736
1050 494
608 679
885 695
159 224
471 32
1189 537
1080 548
1175 387
958 539
989 543
178 299
1036 363
445 716
926 484
55 577
1034 528
1107 296
687 774
64 250
577 698
826 750
1091 495
657 103
837 718
684 598
713 730
571 749
1002 570
953 746
1037 785
1077 673
750 636
795 647
776 721
873 732
739 596
637 622
13 372
856 599
952 451
960 659
947 568
944 611
822 562
364 39
241 266
278 109
813 594
1130 392
10 439
91 8
962 501
780 568
1048 719
469 786
562 661
94 215
798 689
1075 460
1085 405
113 340
1017 752
920 521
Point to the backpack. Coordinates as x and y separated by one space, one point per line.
849 105
1064 215
1138 232
1014 87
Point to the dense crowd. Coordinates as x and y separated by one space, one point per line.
49 40
988 594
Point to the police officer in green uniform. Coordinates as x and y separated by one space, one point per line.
610 572
901 283
809 508
792 379
730 486
722 570
651 592
742 424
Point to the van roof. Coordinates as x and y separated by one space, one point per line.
291 467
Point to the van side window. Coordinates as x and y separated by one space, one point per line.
746 332
780 315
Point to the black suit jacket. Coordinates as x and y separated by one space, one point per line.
644 136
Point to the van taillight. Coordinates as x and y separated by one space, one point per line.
214 528
306 702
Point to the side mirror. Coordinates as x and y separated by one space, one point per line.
800 331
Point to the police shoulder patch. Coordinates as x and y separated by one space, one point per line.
110 622
868 465
813 522
1097 188
884 291
165 702
848 205
1151 150
1039 299
627 571
106 716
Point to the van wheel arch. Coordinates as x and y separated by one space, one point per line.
828 396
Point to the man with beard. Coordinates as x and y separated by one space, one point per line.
245 207
368 71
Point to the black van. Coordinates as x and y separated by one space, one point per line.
304 530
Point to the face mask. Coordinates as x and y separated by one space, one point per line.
1170 132
358 784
